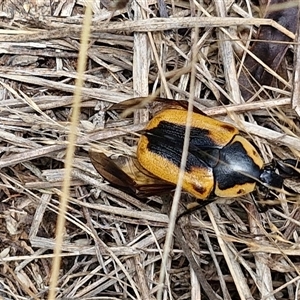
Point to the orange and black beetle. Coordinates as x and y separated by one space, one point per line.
220 162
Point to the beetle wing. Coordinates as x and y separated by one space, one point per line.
109 170
130 105
126 174
205 132
162 157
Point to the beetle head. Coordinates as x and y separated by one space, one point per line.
288 168
270 179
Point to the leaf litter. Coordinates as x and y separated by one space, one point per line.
113 241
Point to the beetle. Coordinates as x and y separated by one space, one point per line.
220 161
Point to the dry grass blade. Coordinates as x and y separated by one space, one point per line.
113 242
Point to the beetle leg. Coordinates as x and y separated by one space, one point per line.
289 167
195 208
